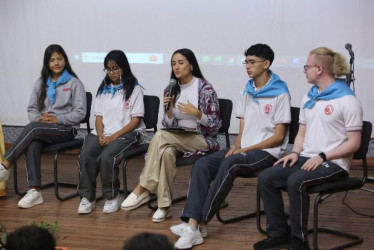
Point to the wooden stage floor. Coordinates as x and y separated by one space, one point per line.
109 231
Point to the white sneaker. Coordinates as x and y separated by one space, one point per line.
32 198
179 229
4 173
189 239
85 206
161 214
132 201
112 205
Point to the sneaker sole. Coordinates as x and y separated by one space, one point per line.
179 233
86 212
39 202
145 199
196 242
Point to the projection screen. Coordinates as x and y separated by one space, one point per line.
150 31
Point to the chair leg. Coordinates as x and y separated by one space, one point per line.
15 180
369 180
259 211
57 184
356 240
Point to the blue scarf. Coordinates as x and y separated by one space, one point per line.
51 91
111 89
336 90
274 88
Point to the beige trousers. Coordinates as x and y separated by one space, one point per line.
160 168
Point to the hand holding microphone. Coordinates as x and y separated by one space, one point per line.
168 97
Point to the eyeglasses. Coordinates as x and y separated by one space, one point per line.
113 70
306 67
251 62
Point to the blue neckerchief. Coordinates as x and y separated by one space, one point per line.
111 89
336 90
51 91
274 88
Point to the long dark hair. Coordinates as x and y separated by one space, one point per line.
191 58
128 78
46 71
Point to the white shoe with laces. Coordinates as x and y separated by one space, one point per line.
85 206
189 238
179 229
4 173
32 198
112 205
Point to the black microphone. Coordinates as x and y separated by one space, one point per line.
171 89
348 47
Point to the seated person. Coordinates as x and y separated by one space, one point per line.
193 105
329 133
57 106
264 112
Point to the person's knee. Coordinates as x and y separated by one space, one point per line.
200 168
264 178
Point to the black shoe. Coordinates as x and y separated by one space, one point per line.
273 242
297 244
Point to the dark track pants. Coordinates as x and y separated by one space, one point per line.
275 179
33 138
204 197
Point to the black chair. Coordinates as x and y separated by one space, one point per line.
151 107
225 106
324 191
58 149
293 128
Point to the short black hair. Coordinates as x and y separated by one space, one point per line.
30 238
148 241
261 50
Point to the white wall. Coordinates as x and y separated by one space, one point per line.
210 28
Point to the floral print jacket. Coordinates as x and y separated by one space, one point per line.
209 105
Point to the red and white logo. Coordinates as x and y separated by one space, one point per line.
267 109
127 104
329 109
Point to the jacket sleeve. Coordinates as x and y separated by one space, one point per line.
209 105
165 123
33 110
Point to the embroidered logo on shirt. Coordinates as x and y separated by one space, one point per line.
267 109
329 109
66 89
127 104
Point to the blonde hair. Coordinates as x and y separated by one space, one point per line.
334 63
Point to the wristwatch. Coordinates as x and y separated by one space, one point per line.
323 156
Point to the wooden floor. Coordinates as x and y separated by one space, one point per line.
109 231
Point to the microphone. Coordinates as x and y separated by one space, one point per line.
171 89
348 47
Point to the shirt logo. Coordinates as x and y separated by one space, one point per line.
66 89
329 109
267 109
127 104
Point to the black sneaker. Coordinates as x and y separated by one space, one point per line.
297 244
273 242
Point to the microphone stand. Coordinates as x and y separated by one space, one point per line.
351 76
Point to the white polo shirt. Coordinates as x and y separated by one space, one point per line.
327 124
260 119
117 112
